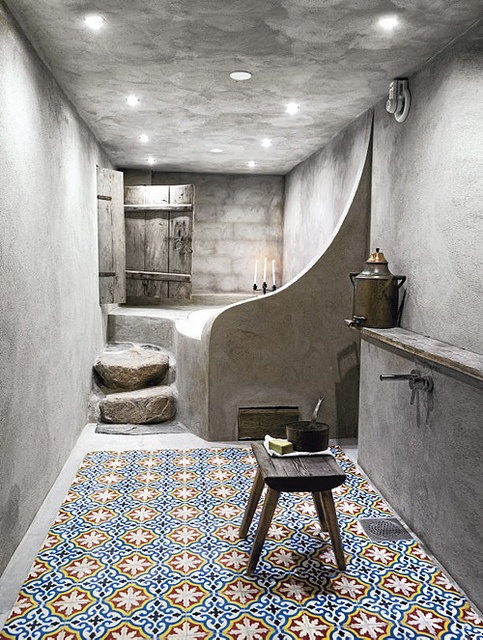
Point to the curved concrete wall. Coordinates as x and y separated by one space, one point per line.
316 194
291 346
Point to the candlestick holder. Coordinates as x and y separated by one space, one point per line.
264 288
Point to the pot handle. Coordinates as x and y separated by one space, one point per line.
402 279
353 274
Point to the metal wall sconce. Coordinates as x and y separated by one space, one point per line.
399 99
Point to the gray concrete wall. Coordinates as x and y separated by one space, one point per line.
289 347
428 464
192 383
427 211
237 220
427 218
51 325
315 194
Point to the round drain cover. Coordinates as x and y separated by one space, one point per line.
385 528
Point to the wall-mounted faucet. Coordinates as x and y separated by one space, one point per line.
415 379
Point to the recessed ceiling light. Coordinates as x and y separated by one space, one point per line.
240 75
150 160
133 100
251 164
292 107
94 22
388 23
143 138
216 150
266 142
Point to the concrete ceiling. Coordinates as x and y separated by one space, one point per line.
329 56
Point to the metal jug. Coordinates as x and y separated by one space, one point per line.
376 293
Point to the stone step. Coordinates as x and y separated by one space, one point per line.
144 406
128 367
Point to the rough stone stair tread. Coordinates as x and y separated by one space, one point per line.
135 394
131 368
141 406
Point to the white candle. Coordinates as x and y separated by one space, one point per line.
256 272
265 270
273 272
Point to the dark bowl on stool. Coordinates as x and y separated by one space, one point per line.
308 436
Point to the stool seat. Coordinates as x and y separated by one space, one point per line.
315 474
304 473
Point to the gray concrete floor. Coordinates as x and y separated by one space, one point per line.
19 566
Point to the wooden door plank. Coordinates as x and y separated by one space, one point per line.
181 194
157 194
135 239
158 207
111 236
156 250
180 252
156 245
180 243
155 275
181 231
104 219
135 195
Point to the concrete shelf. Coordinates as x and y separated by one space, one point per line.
460 363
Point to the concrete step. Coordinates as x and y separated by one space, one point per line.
129 367
157 324
144 406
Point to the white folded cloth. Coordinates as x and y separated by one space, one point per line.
295 454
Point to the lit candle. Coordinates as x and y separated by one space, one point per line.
256 272
265 270
273 272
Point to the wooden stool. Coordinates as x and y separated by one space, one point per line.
315 474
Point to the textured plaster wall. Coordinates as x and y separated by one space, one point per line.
427 463
427 212
315 194
192 383
51 325
292 346
427 218
237 220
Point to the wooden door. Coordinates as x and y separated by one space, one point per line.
111 236
159 222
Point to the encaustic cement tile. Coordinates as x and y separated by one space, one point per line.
146 545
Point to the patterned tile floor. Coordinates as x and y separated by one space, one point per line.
146 546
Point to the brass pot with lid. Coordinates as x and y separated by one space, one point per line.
376 294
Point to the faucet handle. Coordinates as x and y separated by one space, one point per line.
413 395
416 381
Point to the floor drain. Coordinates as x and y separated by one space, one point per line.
384 529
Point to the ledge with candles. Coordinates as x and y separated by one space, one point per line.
264 288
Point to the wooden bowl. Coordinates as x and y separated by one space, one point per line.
308 436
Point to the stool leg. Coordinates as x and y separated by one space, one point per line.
332 523
255 493
320 510
269 505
